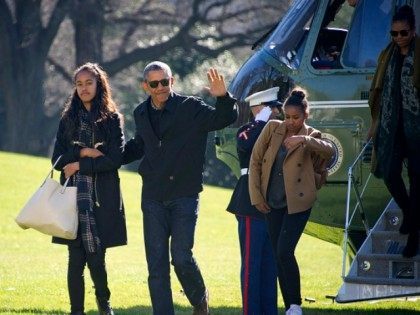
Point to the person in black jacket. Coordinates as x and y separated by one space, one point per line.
89 144
258 264
394 102
170 141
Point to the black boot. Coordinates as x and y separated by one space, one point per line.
203 307
104 307
410 250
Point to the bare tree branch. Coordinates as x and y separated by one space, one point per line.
135 21
50 31
143 16
196 6
238 13
186 36
127 59
60 69
217 4
214 52
221 38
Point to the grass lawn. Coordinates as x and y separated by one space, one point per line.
33 271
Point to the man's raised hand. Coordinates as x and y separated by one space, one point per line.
216 82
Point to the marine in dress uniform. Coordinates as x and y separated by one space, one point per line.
258 265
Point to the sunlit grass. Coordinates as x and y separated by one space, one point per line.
33 271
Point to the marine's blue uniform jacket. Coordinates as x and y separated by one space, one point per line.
247 135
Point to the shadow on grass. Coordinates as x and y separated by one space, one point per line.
181 310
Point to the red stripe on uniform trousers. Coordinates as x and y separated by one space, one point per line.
247 254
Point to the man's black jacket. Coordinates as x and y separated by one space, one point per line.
171 164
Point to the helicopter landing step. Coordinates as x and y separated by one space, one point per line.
379 271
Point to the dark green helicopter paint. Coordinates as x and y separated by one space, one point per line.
338 91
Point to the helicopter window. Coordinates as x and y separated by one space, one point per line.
368 33
328 48
342 15
255 75
288 40
332 35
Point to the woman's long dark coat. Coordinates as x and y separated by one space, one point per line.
109 208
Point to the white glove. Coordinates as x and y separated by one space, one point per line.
264 114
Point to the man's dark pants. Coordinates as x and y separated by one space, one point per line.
170 225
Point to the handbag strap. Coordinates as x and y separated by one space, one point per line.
65 185
50 174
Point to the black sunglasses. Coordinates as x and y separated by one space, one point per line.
403 33
154 84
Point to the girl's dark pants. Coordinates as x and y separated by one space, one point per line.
285 231
75 279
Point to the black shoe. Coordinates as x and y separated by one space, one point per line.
203 307
104 307
410 250
78 313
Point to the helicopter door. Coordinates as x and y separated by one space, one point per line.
370 24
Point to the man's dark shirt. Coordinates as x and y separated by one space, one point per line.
155 116
172 161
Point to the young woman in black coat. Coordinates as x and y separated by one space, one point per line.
89 144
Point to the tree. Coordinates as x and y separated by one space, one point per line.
117 34
24 47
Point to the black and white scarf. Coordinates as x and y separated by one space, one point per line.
85 190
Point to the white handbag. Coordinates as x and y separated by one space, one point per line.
52 209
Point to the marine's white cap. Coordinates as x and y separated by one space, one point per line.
266 96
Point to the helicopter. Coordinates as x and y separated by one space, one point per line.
330 49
